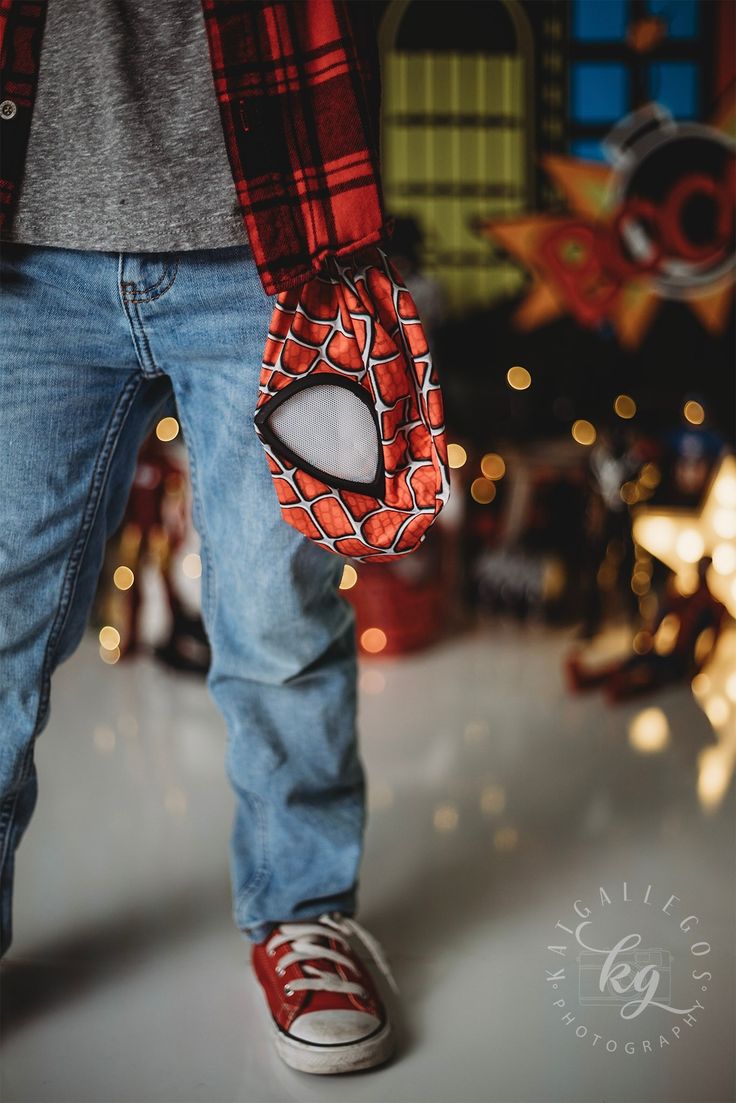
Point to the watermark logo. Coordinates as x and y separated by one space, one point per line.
628 970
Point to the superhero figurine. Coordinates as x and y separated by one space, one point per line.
676 647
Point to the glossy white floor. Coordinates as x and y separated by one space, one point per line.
497 801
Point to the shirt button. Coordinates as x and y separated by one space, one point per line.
7 109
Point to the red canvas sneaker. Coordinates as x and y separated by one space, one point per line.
325 1008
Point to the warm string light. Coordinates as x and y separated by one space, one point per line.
123 578
649 731
456 455
666 635
167 429
518 378
493 466
349 577
492 800
642 642
109 639
650 476
505 839
482 490
625 406
648 605
641 575
694 413
191 565
373 640
446 817
629 493
583 432
641 489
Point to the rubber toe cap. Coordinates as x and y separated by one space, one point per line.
333 1027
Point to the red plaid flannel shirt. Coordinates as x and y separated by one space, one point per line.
298 90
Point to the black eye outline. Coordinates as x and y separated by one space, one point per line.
376 488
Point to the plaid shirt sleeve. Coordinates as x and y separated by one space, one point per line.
297 83
21 28
297 88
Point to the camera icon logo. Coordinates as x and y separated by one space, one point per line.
598 986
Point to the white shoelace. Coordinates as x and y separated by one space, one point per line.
303 950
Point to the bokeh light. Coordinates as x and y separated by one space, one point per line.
650 476
724 522
446 817
492 800
191 565
649 731
104 739
505 839
583 432
482 490
373 640
167 428
519 379
694 413
493 466
629 493
725 491
456 455
372 682
690 545
123 578
109 638
349 577
625 406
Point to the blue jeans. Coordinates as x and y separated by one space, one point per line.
92 344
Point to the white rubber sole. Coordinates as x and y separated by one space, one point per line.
327 1060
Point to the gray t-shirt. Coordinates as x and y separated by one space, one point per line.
126 150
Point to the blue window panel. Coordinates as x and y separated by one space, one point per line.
681 16
599 20
675 85
588 149
599 91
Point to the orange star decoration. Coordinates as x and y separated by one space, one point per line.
581 262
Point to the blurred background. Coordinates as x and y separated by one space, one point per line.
548 686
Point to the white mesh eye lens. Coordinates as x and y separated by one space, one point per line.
330 428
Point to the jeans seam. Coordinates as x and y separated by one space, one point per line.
210 580
134 318
143 337
89 515
209 605
7 812
261 872
170 272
